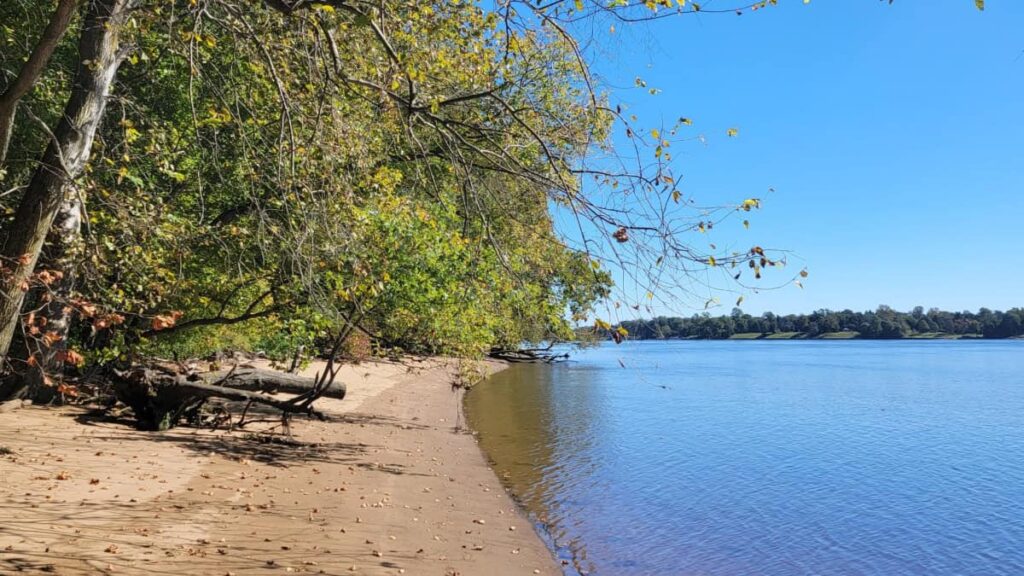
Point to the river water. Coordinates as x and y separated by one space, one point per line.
774 458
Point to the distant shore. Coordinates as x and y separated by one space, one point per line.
833 336
849 335
389 486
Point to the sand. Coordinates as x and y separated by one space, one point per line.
388 486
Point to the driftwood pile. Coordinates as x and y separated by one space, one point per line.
544 355
160 395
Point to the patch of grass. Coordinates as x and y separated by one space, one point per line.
746 336
845 335
784 336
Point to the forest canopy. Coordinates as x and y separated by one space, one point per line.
882 323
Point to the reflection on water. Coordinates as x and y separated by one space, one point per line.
525 421
769 457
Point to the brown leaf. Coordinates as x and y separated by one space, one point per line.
165 321
51 338
67 390
70 357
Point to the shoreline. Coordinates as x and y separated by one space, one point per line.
387 486
828 336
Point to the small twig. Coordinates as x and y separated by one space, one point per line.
245 411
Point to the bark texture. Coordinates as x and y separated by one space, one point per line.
159 398
100 56
270 381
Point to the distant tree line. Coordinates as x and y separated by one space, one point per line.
882 323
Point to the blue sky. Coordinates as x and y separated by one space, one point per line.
893 136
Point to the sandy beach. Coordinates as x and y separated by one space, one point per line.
390 485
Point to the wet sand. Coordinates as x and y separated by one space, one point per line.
388 486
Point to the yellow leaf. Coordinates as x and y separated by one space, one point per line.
655 134
712 261
980 4
650 295
739 300
676 195
732 132
622 331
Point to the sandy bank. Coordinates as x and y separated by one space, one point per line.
387 487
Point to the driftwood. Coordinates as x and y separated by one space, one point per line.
269 381
159 396
528 355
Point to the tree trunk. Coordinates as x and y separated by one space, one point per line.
31 70
61 253
527 355
270 381
64 158
159 399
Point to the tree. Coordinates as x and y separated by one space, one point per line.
65 157
884 323
31 70
278 171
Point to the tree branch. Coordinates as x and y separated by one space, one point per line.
31 70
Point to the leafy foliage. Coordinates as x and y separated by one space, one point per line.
883 323
270 174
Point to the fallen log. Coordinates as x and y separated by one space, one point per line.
269 382
527 355
160 398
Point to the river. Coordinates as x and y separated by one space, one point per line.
768 458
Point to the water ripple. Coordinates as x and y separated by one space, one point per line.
778 458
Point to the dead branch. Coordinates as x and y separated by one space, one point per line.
269 382
159 399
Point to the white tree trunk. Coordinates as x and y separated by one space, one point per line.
53 181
